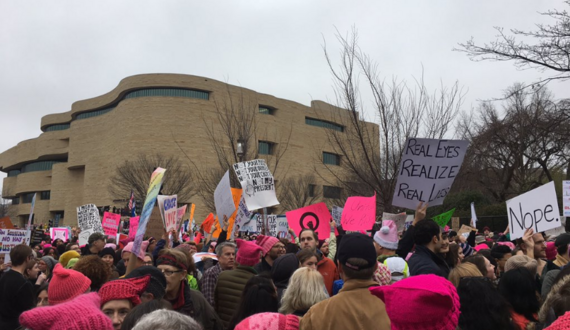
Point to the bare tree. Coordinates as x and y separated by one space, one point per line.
298 192
370 154
550 50
134 174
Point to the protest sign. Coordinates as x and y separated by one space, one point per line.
5 223
31 213
223 199
155 226
337 214
359 213
236 196
133 226
399 220
443 219
566 198
192 209
282 226
409 221
207 223
427 170
465 230
37 236
455 223
151 194
59 232
473 215
180 212
9 238
88 221
168 206
536 209
316 217
273 224
257 183
111 223
244 219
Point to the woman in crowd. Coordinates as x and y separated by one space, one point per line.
109 257
501 254
519 289
50 252
42 295
46 265
463 270
557 301
454 256
73 246
259 296
166 319
193 275
282 270
306 288
68 255
95 269
483 264
120 296
482 306
307 258
33 274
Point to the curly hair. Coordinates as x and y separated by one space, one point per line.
95 269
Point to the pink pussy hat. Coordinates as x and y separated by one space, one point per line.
266 243
248 253
129 248
269 321
431 303
387 236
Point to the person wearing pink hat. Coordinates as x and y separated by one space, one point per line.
120 296
271 249
66 284
127 255
269 321
231 283
81 313
386 243
423 302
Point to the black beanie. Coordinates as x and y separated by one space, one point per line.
157 285
109 251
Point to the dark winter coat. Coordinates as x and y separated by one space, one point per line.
229 289
424 261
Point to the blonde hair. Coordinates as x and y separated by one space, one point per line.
463 270
306 288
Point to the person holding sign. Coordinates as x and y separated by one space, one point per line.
308 240
426 259
406 244
533 246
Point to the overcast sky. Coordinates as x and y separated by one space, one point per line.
53 53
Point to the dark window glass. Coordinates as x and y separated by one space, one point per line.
45 195
322 123
266 110
265 148
331 159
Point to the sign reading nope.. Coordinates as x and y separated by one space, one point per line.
536 209
427 170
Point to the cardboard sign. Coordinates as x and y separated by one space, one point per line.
443 219
168 206
59 232
133 226
9 238
337 214
359 213
154 227
399 220
455 223
465 230
151 194
111 223
257 183
473 215
316 217
88 221
536 209
427 171
566 198
223 199
5 223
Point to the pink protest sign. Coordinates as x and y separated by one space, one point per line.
133 226
59 232
111 223
316 217
359 213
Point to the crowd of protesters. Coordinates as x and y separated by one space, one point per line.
427 277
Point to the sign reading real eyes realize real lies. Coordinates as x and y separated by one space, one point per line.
427 171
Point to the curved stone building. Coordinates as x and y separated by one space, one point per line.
70 163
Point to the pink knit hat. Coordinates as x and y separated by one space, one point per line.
482 246
561 323
266 243
128 289
81 313
269 321
431 303
66 284
550 251
248 253
129 247
387 236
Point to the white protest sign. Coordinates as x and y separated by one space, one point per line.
337 214
473 215
88 221
168 206
9 238
275 224
536 209
224 199
257 183
566 198
427 171
399 220
243 219
282 226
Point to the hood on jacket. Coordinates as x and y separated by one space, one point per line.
284 267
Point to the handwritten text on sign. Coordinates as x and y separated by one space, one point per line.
111 223
168 206
257 183
88 221
536 209
427 171
9 238
359 213
316 217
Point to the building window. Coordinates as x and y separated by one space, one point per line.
15 200
27 198
56 127
331 159
94 113
325 124
312 190
173 92
265 148
39 166
13 173
331 192
266 110
45 195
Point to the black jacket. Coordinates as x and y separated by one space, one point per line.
263 267
197 307
424 261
